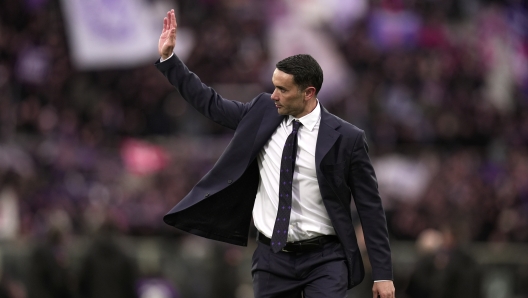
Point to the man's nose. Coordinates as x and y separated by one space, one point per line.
274 95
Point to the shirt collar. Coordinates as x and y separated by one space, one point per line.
309 120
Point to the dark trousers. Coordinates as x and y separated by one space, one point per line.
316 274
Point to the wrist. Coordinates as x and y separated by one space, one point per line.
162 59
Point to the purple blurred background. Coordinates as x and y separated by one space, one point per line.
96 146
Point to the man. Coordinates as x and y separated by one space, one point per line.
294 167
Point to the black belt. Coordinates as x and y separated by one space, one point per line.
303 245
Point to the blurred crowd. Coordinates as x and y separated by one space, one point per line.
439 86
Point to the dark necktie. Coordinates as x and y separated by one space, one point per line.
280 231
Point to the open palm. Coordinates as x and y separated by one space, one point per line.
167 40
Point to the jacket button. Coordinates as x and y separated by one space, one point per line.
229 181
207 195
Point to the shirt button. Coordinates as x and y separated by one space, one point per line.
229 181
207 195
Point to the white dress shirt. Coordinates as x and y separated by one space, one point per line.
309 217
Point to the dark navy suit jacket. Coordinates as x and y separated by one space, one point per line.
220 206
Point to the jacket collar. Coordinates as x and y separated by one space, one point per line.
325 140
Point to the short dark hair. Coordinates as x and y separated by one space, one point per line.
305 70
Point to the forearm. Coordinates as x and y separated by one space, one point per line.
203 98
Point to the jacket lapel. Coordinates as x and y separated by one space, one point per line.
268 125
327 135
325 140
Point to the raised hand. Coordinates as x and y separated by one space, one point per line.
167 40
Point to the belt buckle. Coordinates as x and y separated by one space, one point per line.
284 248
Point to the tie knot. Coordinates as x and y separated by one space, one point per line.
296 125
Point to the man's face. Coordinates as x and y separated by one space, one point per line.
289 100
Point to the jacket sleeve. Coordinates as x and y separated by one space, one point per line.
203 98
364 187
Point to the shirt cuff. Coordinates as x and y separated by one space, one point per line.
161 59
381 280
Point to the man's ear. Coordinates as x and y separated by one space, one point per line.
309 92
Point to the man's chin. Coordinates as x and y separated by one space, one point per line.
282 111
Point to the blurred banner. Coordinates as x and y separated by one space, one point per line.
112 33
142 158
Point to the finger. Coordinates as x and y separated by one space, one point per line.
173 19
165 24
